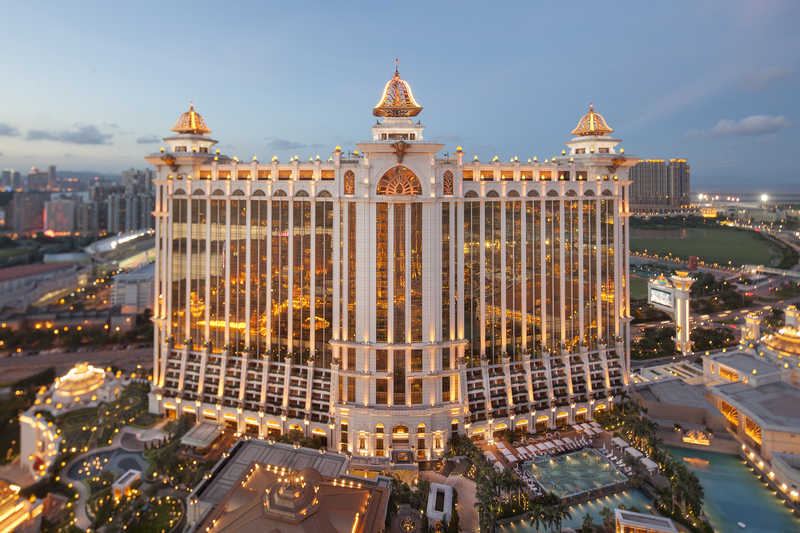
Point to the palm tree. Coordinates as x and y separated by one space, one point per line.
536 514
561 512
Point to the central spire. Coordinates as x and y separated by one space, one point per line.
397 100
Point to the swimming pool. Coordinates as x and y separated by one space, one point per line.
576 472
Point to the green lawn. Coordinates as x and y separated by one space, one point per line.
712 245
638 287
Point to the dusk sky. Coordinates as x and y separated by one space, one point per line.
94 86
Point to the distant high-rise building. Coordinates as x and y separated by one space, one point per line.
678 176
137 180
116 213
36 180
129 212
657 185
52 182
87 218
27 211
59 216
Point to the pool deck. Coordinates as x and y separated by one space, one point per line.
587 493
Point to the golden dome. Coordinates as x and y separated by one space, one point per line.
397 100
592 124
191 122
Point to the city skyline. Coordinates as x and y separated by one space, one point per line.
716 99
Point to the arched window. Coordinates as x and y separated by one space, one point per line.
399 181
349 182
447 183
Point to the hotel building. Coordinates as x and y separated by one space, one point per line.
387 297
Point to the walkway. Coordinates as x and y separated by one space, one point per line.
466 506
83 520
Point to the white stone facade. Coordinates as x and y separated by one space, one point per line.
385 298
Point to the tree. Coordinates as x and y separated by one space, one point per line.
609 521
560 513
587 526
537 515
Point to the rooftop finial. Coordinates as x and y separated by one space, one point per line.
396 66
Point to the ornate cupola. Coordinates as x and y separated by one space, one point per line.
592 124
191 122
396 106
592 136
191 134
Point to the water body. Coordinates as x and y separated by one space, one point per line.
628 498
733 494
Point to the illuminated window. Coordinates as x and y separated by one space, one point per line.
399 181
447 183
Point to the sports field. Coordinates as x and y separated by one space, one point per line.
712 245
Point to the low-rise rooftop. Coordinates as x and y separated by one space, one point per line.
772 405
675 392
745 363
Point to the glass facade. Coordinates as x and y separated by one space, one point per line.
294 298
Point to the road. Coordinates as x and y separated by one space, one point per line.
15 368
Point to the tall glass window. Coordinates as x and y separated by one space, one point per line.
446 312
351 270
399 377
513 288
280 277
472 281
301 284
323 290
493 281
552 315
590 278
238 257
197 292
258 277
178 271
381 272
218 274
416 272
399 331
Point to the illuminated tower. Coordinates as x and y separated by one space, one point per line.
682 284
751 332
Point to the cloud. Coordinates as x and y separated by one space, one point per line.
760 79
8 130
753 125
278 144
81 134
148 139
